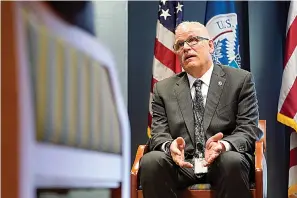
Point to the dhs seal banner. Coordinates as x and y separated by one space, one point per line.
222 24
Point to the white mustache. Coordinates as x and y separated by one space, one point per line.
185 56
196 54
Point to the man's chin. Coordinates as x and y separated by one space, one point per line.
189 66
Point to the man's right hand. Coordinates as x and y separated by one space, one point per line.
177 151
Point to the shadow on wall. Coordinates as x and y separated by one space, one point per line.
79 13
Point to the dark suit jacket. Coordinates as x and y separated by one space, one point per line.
231 108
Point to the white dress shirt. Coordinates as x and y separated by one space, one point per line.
204 89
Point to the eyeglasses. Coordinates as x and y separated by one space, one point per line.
191 41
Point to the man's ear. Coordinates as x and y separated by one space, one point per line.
211 46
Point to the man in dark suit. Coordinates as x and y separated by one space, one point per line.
204 117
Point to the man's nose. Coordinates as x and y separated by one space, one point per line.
186 47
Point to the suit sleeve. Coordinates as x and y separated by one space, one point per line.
246 133
160 129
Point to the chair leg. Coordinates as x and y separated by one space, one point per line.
259 184
116 193
133 186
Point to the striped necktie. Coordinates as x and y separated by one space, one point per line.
198 109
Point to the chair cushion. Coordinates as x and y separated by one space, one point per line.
205 186
200 187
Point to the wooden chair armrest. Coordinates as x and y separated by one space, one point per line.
259 168
259 155
140 152
134 171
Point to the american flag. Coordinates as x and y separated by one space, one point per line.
287 106
165 62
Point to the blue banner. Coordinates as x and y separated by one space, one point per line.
227 28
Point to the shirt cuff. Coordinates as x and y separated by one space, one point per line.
226 144
163 146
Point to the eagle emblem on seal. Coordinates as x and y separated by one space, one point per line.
223 30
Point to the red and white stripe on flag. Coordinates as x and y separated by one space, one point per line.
287 106
165 63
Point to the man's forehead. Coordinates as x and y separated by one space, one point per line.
190 30
185 34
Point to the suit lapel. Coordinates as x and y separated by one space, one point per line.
183 95
215 89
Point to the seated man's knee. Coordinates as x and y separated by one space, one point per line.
232 162
153 162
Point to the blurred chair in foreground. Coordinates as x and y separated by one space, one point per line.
65 123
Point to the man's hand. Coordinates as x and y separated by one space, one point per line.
177 151
213 148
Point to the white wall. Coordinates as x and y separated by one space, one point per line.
111 23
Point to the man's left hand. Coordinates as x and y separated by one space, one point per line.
213 148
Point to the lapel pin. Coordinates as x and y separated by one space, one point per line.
220 83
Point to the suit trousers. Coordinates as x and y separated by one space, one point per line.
229 176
